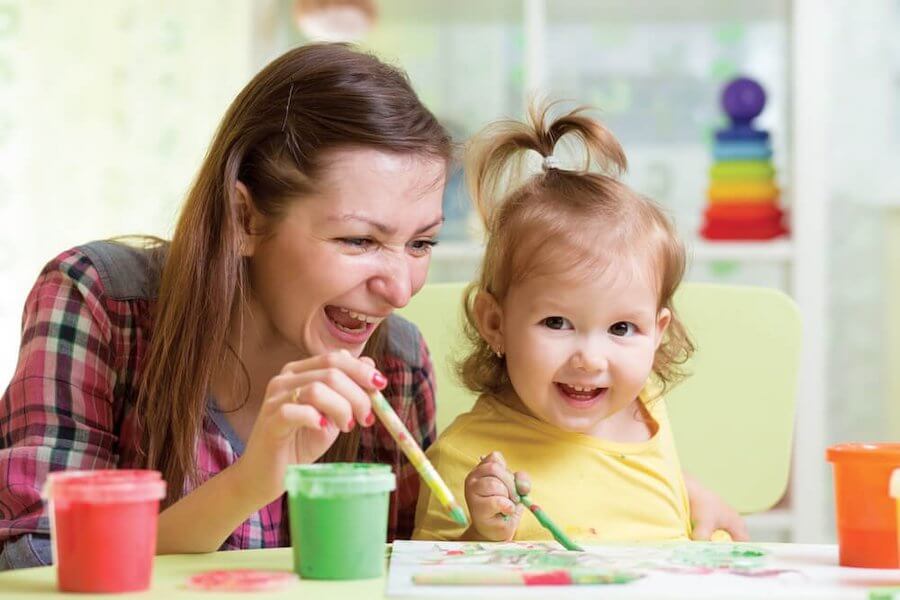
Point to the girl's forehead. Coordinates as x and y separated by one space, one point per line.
566 263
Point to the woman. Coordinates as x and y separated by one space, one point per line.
253 339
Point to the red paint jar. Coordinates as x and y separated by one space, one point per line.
103 527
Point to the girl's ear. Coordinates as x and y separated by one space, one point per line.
249 219
662 323
489 320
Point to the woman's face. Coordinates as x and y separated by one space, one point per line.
340 261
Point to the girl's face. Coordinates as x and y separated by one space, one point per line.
578 351
339 262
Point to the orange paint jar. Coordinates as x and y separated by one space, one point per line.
895 494
866 516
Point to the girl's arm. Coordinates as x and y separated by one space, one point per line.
709 512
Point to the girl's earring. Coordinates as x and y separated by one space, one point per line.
499 352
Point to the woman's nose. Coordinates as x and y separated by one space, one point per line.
393 282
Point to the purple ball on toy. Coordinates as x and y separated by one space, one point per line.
743 99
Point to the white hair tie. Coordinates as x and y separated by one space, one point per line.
550 162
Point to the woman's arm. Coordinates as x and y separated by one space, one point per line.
57 412
296 424
203 520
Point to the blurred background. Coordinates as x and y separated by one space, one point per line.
107 106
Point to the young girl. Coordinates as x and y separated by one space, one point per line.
574 340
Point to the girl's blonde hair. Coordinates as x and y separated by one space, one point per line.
576 218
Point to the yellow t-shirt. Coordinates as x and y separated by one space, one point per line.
595 490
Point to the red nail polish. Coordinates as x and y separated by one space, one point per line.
370 420
379 380
323 422
351 423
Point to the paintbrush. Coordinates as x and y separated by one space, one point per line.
529 578
411 449
549 525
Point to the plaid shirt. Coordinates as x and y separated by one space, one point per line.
70 404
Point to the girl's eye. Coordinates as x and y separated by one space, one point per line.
557 323
623 329
422 247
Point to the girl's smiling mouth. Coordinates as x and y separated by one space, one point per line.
581 397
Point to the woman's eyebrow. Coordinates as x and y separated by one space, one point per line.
383 227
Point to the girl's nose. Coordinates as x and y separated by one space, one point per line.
591 357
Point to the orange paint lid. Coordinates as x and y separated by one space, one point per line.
887 452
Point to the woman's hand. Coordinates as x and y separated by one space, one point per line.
710 513
306 406
492 495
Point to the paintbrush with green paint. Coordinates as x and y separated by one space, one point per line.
549 525
410 448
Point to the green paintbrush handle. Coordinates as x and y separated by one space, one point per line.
549 525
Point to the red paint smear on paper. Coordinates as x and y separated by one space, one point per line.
558 577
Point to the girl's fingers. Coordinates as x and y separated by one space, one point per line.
364 374
500 472
499 504
522 483
489 486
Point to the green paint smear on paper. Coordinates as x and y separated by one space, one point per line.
721 556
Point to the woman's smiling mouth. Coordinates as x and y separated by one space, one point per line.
350 326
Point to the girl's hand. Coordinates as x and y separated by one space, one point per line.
492 498
304 409
710 513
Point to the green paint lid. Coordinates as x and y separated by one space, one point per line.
323 480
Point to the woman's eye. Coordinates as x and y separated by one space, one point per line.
557 323
623 329
357 243
422 247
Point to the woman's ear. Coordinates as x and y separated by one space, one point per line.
489 320
249 220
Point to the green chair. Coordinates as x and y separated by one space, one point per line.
732 418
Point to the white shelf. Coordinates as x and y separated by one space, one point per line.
778 251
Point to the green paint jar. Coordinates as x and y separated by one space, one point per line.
338 516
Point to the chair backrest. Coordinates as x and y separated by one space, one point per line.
732 418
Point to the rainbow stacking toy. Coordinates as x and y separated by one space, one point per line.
743 195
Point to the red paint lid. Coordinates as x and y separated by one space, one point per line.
105 486
887 452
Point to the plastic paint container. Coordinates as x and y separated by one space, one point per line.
865 514
338 515
103 527
895 494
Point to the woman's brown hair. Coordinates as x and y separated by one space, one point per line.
573 219
310 100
